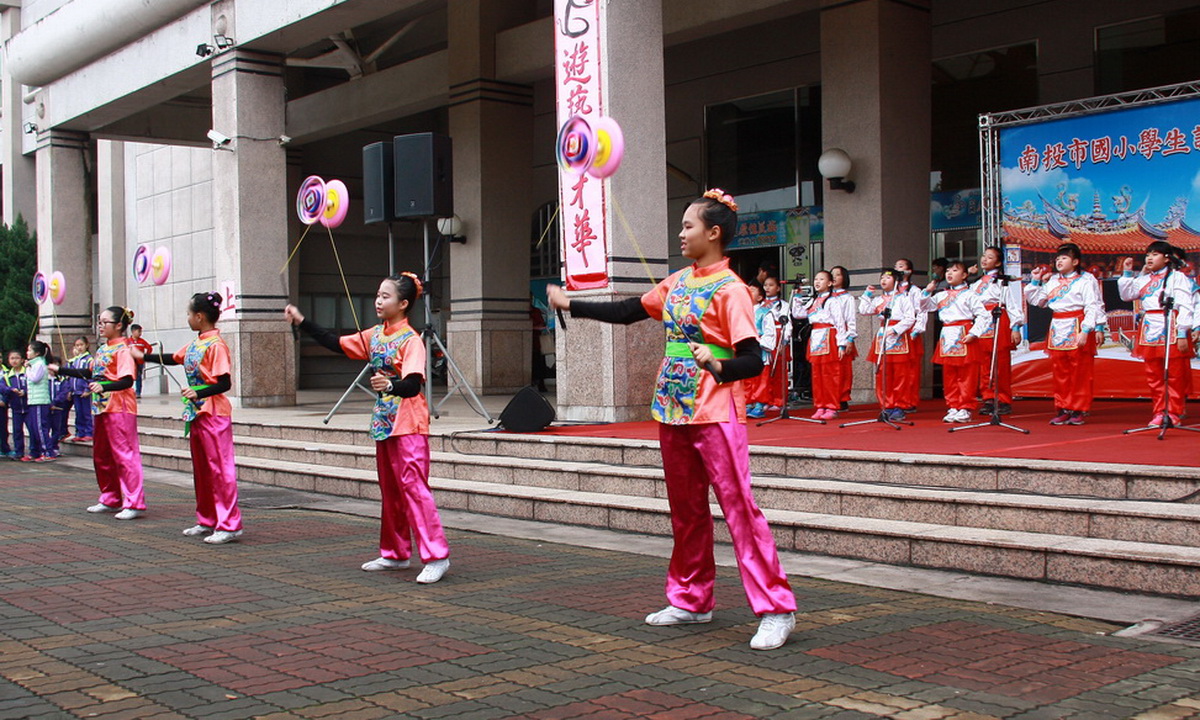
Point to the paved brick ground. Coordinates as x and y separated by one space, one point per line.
100 618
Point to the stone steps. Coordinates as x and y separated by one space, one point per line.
1048 478
1167 523
1124 564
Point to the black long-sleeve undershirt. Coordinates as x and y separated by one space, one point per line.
747 359
109 385
406 387
325 338
223 384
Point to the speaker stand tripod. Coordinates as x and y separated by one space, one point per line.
454 376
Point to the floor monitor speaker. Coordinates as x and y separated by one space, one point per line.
527 412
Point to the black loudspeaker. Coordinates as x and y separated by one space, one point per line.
379 184
423 176
527 412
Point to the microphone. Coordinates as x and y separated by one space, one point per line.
887 313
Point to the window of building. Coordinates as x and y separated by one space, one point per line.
764 149
1149 52
964 86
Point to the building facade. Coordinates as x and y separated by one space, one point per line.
105 147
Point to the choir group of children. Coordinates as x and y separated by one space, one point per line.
38 405
979 324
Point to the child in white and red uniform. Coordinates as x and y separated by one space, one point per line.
702 422
399 426
964 320
991 287
831 314
1158 281
892 344
1074 297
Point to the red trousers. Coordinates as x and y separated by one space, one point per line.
1074 376
847 372
827 382
908 376
1181 370
959 384
1003 337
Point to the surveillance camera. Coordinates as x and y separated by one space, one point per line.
284 139
218 139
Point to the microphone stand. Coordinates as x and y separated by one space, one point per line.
1168 303
993 379
883 374
786 383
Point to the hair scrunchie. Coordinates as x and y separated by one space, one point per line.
416 282
722 197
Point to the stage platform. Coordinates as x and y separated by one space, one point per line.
1100 440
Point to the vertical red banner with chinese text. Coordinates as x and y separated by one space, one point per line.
578 50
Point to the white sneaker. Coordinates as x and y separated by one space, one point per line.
950 415
101 507
221 537
963 416
671 615
433 571
773 631
129 514
195 530
382 563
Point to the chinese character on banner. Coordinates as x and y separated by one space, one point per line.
228 303
1077 151
579 44
1101 150
1029 160
1052 156
1175 142
1149 143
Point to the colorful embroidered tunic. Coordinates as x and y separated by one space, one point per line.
704 305
397 351
1077 305
204 360
111 362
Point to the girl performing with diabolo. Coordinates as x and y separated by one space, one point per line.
1074 297
700 408
399 426
116 453
207 415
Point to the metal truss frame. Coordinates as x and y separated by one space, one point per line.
991 123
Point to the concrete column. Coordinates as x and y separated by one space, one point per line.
65 233
250 208
113 264
607 372
489 333
875 105
19 198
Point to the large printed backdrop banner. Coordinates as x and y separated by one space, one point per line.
1111 182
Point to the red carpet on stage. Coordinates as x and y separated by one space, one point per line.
1100 440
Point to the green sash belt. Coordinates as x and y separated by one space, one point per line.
681 350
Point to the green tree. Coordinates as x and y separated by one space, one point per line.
18 263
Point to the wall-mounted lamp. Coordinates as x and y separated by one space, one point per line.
834 165
30 128
222 41
452 227
204 50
